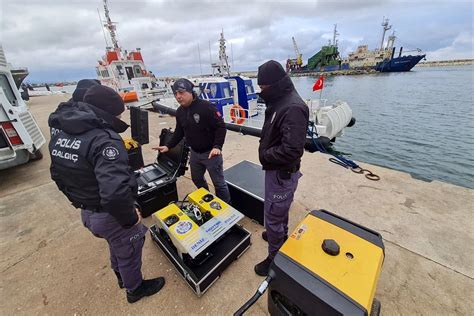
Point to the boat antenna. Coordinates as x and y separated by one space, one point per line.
102 27
386 27
232 56
210 58
110 26
199 55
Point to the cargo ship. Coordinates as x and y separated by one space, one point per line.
383 59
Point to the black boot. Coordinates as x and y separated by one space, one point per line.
119 279
265 237
263 267
147 288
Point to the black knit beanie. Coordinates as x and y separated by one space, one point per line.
181 85
105 98
270 73
81 88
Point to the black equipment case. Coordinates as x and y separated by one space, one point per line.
140 136
139 125
157 182
216 258
246 182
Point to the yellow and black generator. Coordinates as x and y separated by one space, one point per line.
328 266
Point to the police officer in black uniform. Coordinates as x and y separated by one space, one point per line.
280 151
202 124
89 164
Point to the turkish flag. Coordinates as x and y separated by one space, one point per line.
318 84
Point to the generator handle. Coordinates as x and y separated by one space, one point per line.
261 289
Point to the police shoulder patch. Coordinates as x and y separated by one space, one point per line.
110 153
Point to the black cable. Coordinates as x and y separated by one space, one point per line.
339 159
182 201
261 289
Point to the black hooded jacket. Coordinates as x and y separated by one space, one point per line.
89 162
285 127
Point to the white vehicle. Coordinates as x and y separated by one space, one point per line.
20 136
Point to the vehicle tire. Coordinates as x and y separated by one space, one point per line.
36 155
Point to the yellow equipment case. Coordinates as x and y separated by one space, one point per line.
328 266
200 237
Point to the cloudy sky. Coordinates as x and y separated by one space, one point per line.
62 40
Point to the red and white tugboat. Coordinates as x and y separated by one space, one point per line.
124 71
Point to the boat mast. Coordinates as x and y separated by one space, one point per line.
391 40
199 55
103 32
224 63
210 58
386 27
110 27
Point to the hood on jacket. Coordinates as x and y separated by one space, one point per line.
106 99
282 87
270 73
79 117
81 88
273 75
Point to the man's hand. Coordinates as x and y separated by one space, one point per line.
139 216
214 152
161 149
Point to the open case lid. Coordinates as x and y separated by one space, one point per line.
176 158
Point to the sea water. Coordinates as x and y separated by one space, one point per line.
420 122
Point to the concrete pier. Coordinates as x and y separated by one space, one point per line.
52 265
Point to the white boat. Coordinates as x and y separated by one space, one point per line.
125 71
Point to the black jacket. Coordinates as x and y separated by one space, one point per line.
89 162
285 127
201 124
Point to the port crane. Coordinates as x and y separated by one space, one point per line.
296 63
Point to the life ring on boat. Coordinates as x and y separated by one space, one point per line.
144 72
237 114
